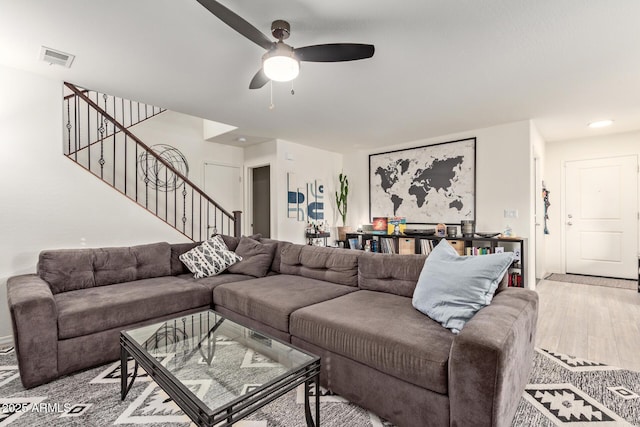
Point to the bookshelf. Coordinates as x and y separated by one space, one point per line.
416 244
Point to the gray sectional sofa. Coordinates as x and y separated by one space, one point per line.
349 307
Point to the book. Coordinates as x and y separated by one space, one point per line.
379 224
400 222
516 252
353 243
387 246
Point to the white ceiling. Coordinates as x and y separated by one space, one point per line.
441 66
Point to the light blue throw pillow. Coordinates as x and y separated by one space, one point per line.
452 288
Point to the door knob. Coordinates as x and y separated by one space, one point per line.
569 223
569 216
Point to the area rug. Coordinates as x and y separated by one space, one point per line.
594 280
562 391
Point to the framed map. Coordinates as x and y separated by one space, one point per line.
427 185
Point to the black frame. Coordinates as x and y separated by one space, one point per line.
426 147
233 411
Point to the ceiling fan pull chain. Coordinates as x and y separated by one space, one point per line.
293 92
271 107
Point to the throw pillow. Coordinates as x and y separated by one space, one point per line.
212 257
256 257
232 241
452 288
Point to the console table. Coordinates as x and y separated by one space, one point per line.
312 236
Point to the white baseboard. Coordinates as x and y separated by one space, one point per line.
8 340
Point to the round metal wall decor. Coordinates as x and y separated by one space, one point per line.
156 175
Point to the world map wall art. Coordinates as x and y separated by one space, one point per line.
428 185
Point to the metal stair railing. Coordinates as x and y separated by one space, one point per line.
157 181
126 112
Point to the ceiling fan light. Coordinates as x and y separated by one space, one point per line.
281 68
280 63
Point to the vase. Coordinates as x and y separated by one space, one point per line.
342 232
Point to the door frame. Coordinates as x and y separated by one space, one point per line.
248 197
563 204
539 240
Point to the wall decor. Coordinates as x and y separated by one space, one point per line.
295 199
547 203
157 175
315 200
428 185
305 202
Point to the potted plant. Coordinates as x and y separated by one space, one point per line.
341 205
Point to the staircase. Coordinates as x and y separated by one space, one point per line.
98 138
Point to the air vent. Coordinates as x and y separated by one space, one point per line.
56 57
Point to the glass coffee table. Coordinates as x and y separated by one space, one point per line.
244 369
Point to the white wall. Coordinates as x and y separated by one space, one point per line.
308 164
186 134
47 200
503 180
557 153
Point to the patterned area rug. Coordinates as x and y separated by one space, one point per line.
594 280
563 391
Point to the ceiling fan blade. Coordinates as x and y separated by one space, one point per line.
259 80
237 23
334 52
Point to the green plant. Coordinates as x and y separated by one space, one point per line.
341 198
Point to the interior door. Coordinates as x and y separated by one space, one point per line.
261 200
223 183
601 224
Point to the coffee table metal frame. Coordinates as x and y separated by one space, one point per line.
232 412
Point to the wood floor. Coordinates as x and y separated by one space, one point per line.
592 322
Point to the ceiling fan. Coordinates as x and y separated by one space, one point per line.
282 62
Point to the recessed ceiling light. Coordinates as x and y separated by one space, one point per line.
241 139
600 124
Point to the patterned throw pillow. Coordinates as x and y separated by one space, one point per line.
210 258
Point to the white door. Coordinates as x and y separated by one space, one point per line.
601 223
223 183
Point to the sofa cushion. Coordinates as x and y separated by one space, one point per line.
232 242
395 274
213 282
72 269
67 269
177 249
452 288
114 265
272 299
316 262
210 258
380 330
277 256
256 258
152 260
86 311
